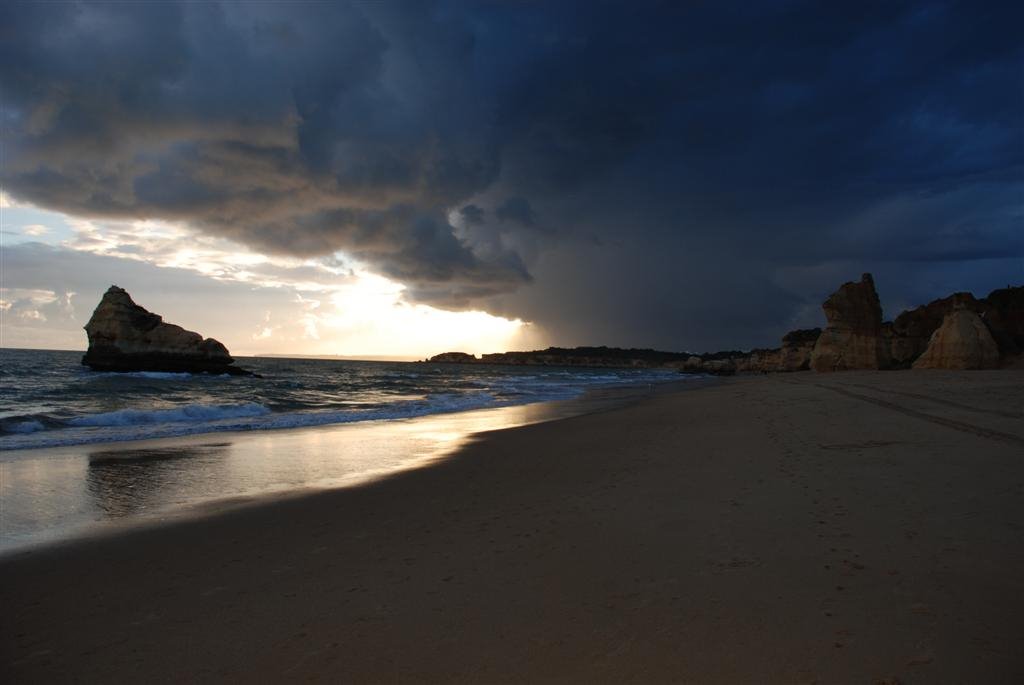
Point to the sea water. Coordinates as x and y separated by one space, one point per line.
47 398
82 451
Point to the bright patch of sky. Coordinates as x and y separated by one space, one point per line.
264 304
24 223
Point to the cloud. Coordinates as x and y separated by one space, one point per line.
472 215
516 209
286 311
188 113
35 230
600 169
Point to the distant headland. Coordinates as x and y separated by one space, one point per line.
955 332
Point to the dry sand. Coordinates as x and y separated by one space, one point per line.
848 528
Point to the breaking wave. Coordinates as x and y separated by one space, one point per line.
51 401
190 413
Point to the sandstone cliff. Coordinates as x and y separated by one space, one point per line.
853 337
126 337
909 333
963 341
1004 316
797 347
856 338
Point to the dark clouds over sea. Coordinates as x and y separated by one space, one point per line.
682 175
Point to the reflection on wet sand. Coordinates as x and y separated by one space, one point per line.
51 494
125 482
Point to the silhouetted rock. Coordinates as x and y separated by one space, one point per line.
614 357
1004 316
125 337
853 338
963 341
453 358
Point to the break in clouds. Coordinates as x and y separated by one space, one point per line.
630 173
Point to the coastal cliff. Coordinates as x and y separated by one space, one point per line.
126 337
963 341
955 332
853 337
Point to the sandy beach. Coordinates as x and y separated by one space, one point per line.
864 527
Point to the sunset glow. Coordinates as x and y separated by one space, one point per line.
321 307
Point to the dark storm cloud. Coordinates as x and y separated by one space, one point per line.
297 128
516 209
702 174
472 215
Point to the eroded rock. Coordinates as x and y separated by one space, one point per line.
453 358
126 337
909 333
963 341
853 338
797 347
1004 316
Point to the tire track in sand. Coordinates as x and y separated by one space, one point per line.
938 400
948 423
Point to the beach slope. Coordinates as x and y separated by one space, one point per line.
862 527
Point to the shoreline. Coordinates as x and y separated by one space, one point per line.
853 527
237 412
31 477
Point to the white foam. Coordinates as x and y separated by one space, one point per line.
191 413
25 427
501 391
154 375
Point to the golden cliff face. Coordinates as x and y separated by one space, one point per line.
853 337
963 341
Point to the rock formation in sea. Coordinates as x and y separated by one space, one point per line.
126 337
453 358
963 341
853 338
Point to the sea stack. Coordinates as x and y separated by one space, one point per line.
853 338
126 337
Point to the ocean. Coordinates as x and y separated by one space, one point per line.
49 399
82 451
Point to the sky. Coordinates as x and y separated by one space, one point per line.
406 178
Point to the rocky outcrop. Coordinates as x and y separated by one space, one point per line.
963 341
797 346
607 357
453 358
853 338
850 340
909 333
759 361
1004 316
126 337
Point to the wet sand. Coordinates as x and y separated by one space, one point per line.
848 528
